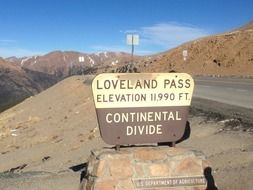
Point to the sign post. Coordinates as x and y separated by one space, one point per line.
132 39
81 59
185 54
142 108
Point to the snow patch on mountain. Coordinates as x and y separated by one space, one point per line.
91 60
115 62
24 60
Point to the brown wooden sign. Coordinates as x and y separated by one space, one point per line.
142 108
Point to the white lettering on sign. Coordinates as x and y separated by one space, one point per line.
138 117
144 130
131 117
191 181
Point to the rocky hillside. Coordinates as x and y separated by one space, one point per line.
18 83
225 54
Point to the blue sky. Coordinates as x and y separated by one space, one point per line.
29 27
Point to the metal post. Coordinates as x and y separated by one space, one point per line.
132 39
132 49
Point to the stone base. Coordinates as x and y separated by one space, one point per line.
146 168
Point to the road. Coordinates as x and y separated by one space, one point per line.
233 91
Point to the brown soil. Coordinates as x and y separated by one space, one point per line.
57 128
225 54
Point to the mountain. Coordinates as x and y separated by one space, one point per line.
62 64
26 76
17 83
229 53
12 59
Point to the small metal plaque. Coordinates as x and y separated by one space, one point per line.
138 108
151 183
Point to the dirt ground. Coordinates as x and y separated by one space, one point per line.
45 140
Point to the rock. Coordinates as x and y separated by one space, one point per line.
147 168
45 158
16 169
